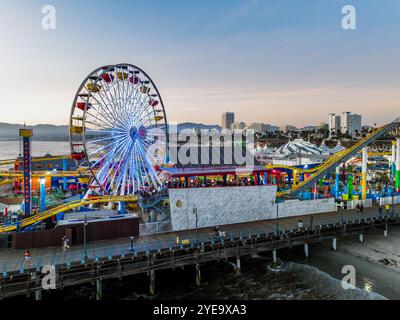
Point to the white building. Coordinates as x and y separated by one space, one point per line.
334 123
350 123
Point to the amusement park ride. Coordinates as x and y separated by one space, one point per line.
119 141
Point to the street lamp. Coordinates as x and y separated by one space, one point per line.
277 217
132 238
195 214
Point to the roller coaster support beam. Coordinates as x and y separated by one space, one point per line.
398 164
42 194
364 174
294 177
337 181
393 162
65 168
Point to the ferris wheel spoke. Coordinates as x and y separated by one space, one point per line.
156 181
100 122
110 165
104 106
117 106
141 165
111 107
116 168
116 146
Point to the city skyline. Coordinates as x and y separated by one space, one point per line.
296 64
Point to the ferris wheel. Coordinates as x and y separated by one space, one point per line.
118 130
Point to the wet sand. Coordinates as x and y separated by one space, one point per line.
376 261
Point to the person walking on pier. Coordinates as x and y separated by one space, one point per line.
27 256
65 243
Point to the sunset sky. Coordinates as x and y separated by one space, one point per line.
279 62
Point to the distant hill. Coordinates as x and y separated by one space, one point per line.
50 132
41 132
191 126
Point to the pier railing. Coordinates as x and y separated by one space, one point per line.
145 245
154 228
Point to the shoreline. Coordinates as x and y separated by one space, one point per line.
373 272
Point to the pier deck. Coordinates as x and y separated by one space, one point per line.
114 259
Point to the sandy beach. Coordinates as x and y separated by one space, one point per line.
376 260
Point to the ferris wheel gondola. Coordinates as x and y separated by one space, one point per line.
118 130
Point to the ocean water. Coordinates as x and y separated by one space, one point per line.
294 281
11 149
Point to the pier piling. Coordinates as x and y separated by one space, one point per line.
274 256
238 267
38 291
152 282
306 250
99 289
198 275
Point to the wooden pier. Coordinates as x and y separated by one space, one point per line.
147 254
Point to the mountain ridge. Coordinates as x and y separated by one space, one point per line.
52 132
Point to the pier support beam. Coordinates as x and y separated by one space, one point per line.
385 231
274 260
38 291
334 244
198 274
152 282
238 267
306 250
99 289
364 173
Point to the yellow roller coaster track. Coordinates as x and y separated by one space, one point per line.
66 207
35 159
341 156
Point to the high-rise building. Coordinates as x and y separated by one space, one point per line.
350 123
228 118
334 123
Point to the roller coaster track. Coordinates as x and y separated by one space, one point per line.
35 159
340 157
39 174
63 208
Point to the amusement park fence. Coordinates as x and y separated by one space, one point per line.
154 228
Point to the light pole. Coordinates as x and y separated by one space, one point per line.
131 238
195 214
85 223
277 217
